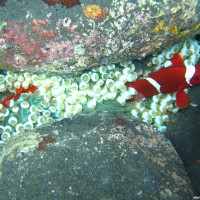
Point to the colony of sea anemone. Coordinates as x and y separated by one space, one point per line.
36 99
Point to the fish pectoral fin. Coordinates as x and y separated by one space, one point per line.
182 99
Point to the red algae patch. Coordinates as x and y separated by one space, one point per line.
46 140
67 3
2 2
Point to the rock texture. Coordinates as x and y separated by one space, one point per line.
37 37
98 156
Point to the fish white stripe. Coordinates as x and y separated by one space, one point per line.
190 71
154 83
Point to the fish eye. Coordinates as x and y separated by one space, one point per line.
197 78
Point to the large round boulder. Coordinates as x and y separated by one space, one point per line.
69 38
98 156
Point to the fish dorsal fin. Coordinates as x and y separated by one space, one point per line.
182 99
177 60
31 89
19 90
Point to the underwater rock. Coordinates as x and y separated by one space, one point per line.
97 156
67 40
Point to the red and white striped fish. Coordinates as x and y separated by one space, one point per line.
167 80
15 96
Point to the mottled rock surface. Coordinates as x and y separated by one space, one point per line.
98 156
37 37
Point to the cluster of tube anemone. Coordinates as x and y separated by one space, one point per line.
101 88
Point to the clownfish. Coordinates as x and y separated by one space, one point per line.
16 95
175 78
20 90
